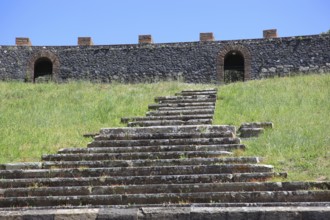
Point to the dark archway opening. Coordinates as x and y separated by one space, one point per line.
233 67
43 70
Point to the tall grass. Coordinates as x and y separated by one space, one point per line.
37 119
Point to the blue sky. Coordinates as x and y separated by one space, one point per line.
60 22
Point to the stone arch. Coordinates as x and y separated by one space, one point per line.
233 48
44 56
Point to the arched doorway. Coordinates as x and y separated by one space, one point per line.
233 67
43 68
233 63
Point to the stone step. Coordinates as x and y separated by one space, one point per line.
135 155
186 108
155 162
292 211
263 125
170 122
135 171
153 142
163 136
188 100
201 92
168 129
185 97
192 104
138 180
181 112
164 188
157 148
161 198
228 211
169 117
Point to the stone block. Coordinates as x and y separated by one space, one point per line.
257 125
145 39
85 41
206 36
250 132
23 41
271 33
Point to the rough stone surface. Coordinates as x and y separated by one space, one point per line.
190 61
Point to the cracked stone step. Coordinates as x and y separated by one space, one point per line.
153 142
188 100
136 171
164 136
135 155
138 180
163 188
181 112
192 104
168 129
155 162
183 98
205 197
170 117
159 148
170 122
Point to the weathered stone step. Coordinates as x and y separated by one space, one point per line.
170 122
205 197
188 100
227 211
181 112
135 155
164 188
167 117
186 108
185 97
155 162
153 142
157 148
200 92
168 129
138 180
163 136
192 104
135 171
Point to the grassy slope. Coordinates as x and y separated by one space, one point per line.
299 107
39 119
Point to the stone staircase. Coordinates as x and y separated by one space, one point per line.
170 164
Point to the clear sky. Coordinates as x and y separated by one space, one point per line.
61 22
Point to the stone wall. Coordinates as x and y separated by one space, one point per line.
191 61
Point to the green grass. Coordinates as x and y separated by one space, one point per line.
38 119
299 107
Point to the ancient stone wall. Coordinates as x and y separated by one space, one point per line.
200 62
